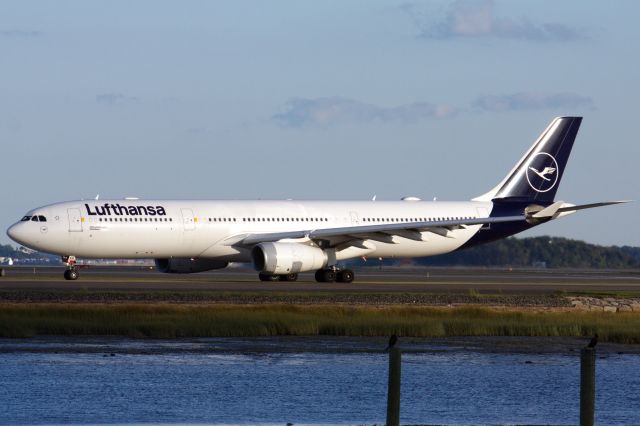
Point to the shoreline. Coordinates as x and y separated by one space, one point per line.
569 346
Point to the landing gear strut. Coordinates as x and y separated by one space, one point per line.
71 273
329 275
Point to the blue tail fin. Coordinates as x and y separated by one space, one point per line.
537 175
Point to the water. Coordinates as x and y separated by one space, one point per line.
184 382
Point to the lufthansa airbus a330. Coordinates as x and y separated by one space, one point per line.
283 238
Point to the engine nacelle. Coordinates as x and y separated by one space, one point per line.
287 258
188 266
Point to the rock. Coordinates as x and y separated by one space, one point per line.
577 304
610 309
595 308
635 307
624 308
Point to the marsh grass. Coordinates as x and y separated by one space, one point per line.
173 321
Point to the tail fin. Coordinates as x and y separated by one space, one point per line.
537 175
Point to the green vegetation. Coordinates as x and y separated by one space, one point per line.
550 252
173 321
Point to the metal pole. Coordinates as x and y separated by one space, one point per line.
393 395
587 386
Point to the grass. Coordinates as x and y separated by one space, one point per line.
174 321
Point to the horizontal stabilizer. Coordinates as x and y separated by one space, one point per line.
561 208
590 206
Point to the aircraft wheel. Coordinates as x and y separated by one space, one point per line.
345 276
289 277
71 274
268 277
325 276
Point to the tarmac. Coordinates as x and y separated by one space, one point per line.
373 279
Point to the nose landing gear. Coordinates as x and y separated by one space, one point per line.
71 273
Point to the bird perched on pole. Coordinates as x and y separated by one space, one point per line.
593 342
392 342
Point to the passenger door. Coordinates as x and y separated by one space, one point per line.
75 220
188 220
355 220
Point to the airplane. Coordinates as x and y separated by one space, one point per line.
284 238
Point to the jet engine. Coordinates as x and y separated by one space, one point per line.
188 266
287 258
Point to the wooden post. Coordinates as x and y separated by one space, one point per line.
393 395
1 272
587 386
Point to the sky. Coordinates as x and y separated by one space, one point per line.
316 100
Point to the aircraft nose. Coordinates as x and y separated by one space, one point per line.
16 233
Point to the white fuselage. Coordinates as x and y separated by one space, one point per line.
209 229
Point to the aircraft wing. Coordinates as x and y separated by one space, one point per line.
411 230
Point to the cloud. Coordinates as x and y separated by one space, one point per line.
531 101
301 112
114 99
476 19
20 33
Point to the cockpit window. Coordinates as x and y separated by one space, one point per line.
34 219
25 219
42 218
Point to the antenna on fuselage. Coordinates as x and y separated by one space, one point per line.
97 197
374 197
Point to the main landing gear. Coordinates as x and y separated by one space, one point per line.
71 273
333 274
277 277
327 275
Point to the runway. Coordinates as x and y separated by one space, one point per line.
387 280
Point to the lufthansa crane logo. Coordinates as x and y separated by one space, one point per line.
542 172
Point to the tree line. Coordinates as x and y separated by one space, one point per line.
550 252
